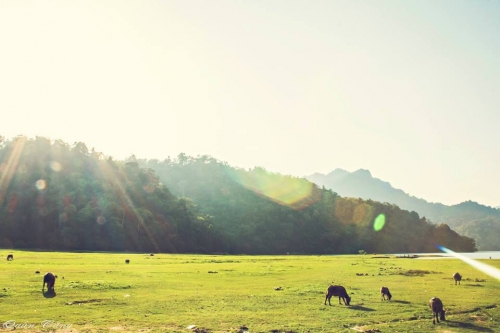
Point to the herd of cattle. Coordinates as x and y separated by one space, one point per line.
438 311
435 303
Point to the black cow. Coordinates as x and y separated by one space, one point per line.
127 261
10 257
384 292
457 277
50 280
437 308
337 291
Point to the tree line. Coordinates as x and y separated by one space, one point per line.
66 197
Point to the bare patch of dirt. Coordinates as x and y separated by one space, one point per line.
84 301
415 272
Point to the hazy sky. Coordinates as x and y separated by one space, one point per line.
409 90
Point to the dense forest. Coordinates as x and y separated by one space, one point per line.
64 197
53 196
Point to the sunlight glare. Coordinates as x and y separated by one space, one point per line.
486 269
121 193
9 168
295 193
55 166
41 184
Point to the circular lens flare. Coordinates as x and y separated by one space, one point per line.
55 166
101 220
379 222
41 184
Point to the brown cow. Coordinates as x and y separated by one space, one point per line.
437 308
50 280
384 292
337 291
10 257
457 277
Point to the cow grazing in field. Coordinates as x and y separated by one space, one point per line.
10 257
337 291
437 309
457 277
385 293
50 280
127 261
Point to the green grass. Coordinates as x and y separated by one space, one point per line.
98 292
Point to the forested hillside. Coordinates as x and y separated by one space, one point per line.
53 196
469 218
260 212
65 197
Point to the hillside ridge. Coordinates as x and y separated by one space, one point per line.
469 218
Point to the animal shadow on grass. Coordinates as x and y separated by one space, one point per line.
49 294
359 307
402 302
468 326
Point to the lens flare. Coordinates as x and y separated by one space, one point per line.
101 220
379 222
55 166
296 193
41 184
486 269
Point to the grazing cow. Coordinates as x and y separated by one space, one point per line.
437 308
384 292
10 257
50 280
127 261
337 291
457 277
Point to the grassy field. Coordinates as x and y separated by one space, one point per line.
98 292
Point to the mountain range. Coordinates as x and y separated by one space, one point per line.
468 218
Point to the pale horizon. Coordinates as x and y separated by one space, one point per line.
407 90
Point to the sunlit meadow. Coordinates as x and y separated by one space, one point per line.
99 292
